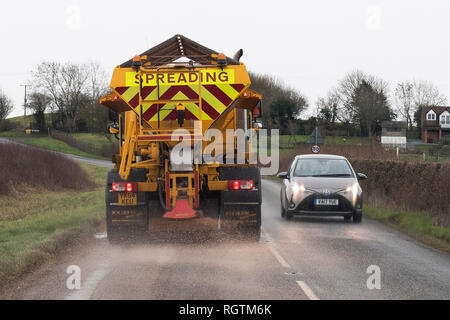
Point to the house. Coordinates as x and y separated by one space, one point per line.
393 133
435 124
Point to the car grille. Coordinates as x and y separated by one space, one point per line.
308 203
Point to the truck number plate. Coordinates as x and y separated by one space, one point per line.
127 198
326 202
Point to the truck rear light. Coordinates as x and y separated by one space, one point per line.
240 184
124 187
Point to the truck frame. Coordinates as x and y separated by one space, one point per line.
169 99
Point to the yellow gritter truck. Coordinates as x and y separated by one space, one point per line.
164 105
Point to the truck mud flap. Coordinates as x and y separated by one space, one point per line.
240 210
131 215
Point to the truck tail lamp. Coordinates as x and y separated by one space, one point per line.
124 187
240 184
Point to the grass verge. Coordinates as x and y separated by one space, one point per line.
60 146
416 224
39 225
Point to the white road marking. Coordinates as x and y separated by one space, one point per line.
270 243
307 290
88 286
278 256
274 251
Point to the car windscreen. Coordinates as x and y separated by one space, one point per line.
322 168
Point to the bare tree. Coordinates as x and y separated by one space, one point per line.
66 84
97 81
351 82
410 96
6 106
94 114
279 100
404 100
427 94
39 103
328 107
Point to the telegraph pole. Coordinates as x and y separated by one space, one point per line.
25 99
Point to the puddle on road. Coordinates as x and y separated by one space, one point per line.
101 235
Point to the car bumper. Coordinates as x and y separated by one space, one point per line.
321 213
344 208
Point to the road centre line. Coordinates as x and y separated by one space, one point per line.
273 250
270 244
307 290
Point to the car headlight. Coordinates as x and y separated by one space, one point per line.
296 188
353 189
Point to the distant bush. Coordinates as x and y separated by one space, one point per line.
412 186
104 150
371 151
22 167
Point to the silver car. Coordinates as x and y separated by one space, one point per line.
321 185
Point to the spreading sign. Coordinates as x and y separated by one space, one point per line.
211 76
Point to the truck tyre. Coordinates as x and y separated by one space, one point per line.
127 229
247 203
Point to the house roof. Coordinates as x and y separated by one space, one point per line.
177 47
437 109
393 124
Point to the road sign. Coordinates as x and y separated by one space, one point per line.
315 148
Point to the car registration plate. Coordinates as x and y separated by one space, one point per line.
127 198
326 202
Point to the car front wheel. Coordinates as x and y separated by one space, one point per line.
283 212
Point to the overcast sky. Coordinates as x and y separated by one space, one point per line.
309 45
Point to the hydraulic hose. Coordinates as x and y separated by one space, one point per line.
161 201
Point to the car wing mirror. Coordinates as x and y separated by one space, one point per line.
283 175
361 176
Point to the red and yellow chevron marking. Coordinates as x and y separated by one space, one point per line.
216 98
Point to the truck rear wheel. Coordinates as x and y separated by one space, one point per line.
240 210
125 222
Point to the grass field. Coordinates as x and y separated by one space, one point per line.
96 139
23 122
60 146
286 140
39 224
16 133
